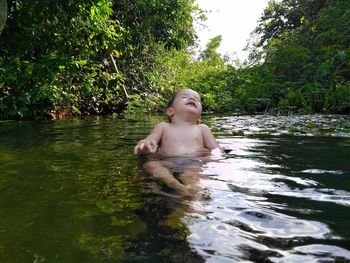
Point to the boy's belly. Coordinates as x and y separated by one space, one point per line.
179 150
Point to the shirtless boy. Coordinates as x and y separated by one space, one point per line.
183 136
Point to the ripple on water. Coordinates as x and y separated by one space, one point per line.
321 171
282 226
314 253
247 215
302 125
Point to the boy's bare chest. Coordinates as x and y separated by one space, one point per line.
183 135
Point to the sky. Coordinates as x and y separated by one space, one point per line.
234 20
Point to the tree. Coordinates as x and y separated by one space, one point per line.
3 14
304 46
154 27
52 59
87 56
210 53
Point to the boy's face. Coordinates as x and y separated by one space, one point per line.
187 100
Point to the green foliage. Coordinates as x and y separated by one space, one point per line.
91 56
3 14
60 65
84 57
300 64
169 22
178 69
210 53
304 47
157 29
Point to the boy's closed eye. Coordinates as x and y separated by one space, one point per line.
185 96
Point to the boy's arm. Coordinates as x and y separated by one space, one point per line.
151 142
209 140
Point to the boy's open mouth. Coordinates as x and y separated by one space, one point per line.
192 104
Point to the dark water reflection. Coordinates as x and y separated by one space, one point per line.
72 191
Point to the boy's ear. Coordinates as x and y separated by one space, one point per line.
169 112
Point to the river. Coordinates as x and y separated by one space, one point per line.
73 191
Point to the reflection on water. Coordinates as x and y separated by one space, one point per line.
257 209
275 198
72 191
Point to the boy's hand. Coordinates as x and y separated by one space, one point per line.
146 146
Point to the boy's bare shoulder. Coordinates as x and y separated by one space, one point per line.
206 131
161 125
203 127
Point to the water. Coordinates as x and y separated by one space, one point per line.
72 191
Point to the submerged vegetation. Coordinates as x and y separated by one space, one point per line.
99 57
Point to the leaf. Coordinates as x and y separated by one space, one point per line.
342 55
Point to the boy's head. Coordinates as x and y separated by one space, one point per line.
185 102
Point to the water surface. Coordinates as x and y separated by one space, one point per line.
73 191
